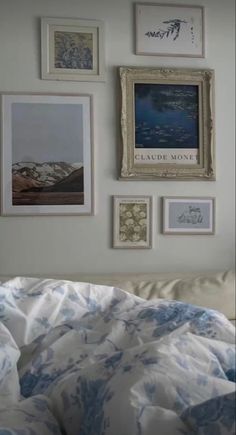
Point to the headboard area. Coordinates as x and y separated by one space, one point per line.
214 290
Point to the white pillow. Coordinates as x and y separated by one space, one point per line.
215 291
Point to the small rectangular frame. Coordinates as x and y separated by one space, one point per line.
132 221
170 30
188 215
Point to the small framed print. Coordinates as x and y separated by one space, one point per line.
72 49
132 222
182 215
47 154
170 30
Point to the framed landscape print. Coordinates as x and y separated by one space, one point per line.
47 151
72 49
132 222
169 30
188 215
167 124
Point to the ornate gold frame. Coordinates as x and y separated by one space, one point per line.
205 167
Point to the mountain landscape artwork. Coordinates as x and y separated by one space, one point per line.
48 183
46 154
47 164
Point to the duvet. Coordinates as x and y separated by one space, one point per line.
83 359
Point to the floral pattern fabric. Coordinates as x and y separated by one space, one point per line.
95 360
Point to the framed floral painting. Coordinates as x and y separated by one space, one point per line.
132 221
72 49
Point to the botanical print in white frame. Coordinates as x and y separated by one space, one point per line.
132 221
47 151
188 215
170 30
72 49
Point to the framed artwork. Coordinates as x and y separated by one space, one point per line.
72 49
170 30
167 124
47 152
132 222
188 215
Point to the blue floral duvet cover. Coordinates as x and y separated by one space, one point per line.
83 359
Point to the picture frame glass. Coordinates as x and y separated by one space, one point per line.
46 154
132 222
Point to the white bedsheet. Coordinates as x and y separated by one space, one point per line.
77 358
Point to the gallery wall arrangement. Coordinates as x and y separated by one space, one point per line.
167 126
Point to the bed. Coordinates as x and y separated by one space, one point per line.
118 354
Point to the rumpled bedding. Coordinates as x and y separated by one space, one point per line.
83 359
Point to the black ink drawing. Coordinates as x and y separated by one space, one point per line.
191 216
173 30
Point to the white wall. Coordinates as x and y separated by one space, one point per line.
56 244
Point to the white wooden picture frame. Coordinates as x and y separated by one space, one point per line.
170 30
47 154
72 49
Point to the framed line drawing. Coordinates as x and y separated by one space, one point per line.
169 30
167 124
188 215
72 49
47 154
132 221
